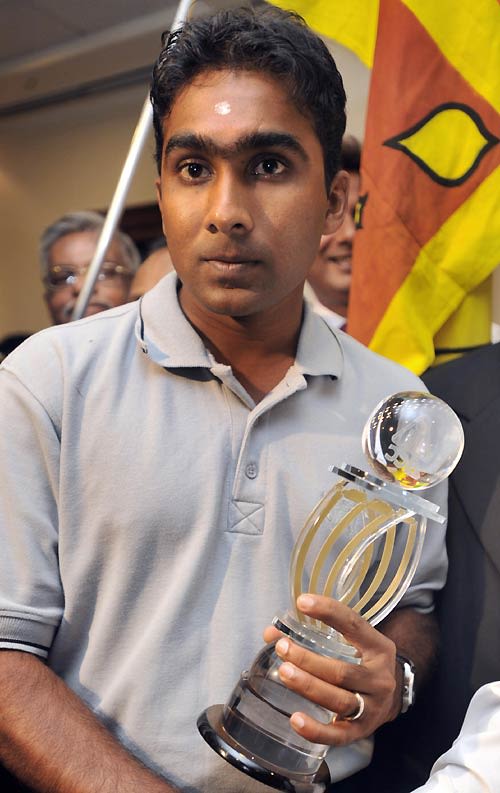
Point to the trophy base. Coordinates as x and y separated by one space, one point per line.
211 726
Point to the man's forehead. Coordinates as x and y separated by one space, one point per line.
217 79
235 110
82 243
223 100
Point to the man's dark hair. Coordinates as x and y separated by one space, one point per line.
350 154
269 40
9 343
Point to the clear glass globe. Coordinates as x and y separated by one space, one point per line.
414 439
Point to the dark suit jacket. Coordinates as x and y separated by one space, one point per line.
469 607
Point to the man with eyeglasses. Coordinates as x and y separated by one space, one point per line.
329 279
66 250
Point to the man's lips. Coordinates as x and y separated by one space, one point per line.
225 259
343 261
227 264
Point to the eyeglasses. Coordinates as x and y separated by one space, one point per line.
59 276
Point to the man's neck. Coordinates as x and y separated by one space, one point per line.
259 348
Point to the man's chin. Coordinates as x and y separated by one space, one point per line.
96 308
229 302
67 313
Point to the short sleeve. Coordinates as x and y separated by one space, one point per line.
31 598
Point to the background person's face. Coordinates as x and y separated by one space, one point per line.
243 211
75 251
152 270
331 273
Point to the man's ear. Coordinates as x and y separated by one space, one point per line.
158 198
337 202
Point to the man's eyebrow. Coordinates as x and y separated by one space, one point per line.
252 141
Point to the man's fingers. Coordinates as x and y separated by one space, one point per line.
271 634
338 673
365 690
353 627
334 698
336 733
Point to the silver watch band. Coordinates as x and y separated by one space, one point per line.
408 690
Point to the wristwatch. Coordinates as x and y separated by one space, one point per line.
408 690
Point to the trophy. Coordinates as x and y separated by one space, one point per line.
360 545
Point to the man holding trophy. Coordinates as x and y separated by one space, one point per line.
159 461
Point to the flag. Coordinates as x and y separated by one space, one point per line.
429 214
353 23
430 208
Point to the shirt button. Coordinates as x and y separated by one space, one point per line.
251 470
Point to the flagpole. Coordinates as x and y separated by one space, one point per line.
116 206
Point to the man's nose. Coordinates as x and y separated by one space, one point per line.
347 230
229 206
79 281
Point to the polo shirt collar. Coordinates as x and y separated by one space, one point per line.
163 331
166 336
319 350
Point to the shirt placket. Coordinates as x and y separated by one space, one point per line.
248 498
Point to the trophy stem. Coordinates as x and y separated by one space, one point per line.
359 546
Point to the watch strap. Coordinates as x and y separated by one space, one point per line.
408 688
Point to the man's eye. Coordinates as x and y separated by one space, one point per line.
194 170
269 167
59 275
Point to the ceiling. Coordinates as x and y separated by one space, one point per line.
28 27
55 50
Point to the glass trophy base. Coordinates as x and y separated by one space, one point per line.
252 731
212 725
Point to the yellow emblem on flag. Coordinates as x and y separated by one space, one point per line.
448 143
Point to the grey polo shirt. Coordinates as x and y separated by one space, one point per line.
148 509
